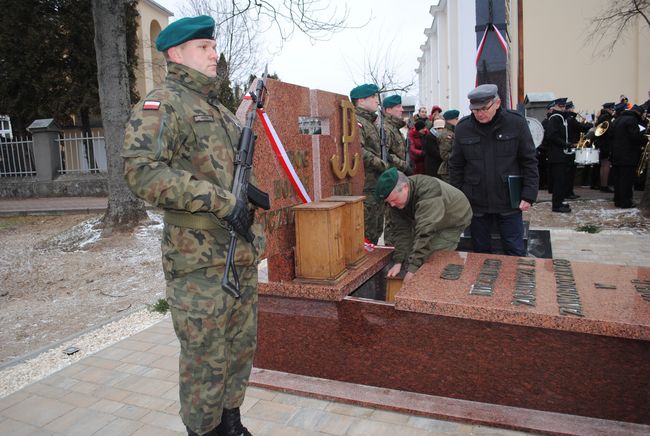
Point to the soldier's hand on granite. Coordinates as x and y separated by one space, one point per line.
524 205
394 271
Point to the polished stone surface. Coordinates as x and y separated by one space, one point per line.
619 312
310 155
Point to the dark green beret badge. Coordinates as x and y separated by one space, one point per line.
386 183
185 29
391 101
363 91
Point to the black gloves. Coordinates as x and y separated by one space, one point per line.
240 220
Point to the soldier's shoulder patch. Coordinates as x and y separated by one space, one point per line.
152 105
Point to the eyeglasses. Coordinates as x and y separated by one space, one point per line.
484 108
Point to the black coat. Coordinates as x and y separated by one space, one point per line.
627 139
575 127
432 159
604 142
483 155
556 139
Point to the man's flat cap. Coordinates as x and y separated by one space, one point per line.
482 94
609 105
451 114
185 29
363 91
386 183
391 101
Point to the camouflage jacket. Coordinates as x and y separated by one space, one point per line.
433 205
178 154
369 137
396 142
445 141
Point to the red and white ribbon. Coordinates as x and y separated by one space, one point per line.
504 45
281 154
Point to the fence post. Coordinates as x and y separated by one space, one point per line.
45 132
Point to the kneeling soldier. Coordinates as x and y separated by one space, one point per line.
427 215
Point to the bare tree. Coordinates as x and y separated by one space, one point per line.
609 26
124 209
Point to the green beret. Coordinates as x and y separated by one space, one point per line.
391 101
363 91
451 114
386 183
185 29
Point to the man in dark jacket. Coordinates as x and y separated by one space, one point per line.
627 143
558 150
427 215
574 127
603 144
490 145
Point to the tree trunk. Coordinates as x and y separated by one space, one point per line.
124 209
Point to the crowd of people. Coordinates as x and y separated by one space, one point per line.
619 133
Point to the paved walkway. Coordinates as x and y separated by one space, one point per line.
130 388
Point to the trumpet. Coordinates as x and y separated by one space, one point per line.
643 162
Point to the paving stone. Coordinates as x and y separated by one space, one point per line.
147 401
349 410
80 422
144 385
79 399
130 411
306 418
165 420
11 427
335 424
435 425
297 400
106 406
151 430
119 426
388 416
48 410
12 399
269 411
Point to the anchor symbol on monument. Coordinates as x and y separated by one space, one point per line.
349 130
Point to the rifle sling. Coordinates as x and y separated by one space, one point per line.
198 220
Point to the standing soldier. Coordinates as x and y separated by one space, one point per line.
179 154
627 145
366 102
558 149
393 122
445 141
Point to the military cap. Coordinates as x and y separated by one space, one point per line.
386 183
620 107
451 114
363 91
391 101
550 104
482 94
560 101
569 105
637 108
185 29
609 105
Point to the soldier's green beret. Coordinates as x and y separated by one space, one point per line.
451 114
386 183
391 101
363 91
185 29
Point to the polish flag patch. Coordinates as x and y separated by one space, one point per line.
151 105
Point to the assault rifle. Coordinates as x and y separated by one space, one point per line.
242 188
382 135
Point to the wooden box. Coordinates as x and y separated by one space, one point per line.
353 227
319 241
393 285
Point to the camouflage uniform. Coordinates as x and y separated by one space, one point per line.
397 152
445 141
373 166
179 150
433 219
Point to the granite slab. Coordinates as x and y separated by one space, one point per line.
609 301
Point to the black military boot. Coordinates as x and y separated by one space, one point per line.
231 424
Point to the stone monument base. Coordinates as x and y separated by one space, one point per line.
537 344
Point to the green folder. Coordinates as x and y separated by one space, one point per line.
515 184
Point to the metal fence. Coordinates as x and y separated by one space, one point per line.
82 154
17 158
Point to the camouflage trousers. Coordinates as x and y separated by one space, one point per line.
373 217
218 337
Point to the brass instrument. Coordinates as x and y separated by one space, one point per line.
643 162
601 128
584 141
